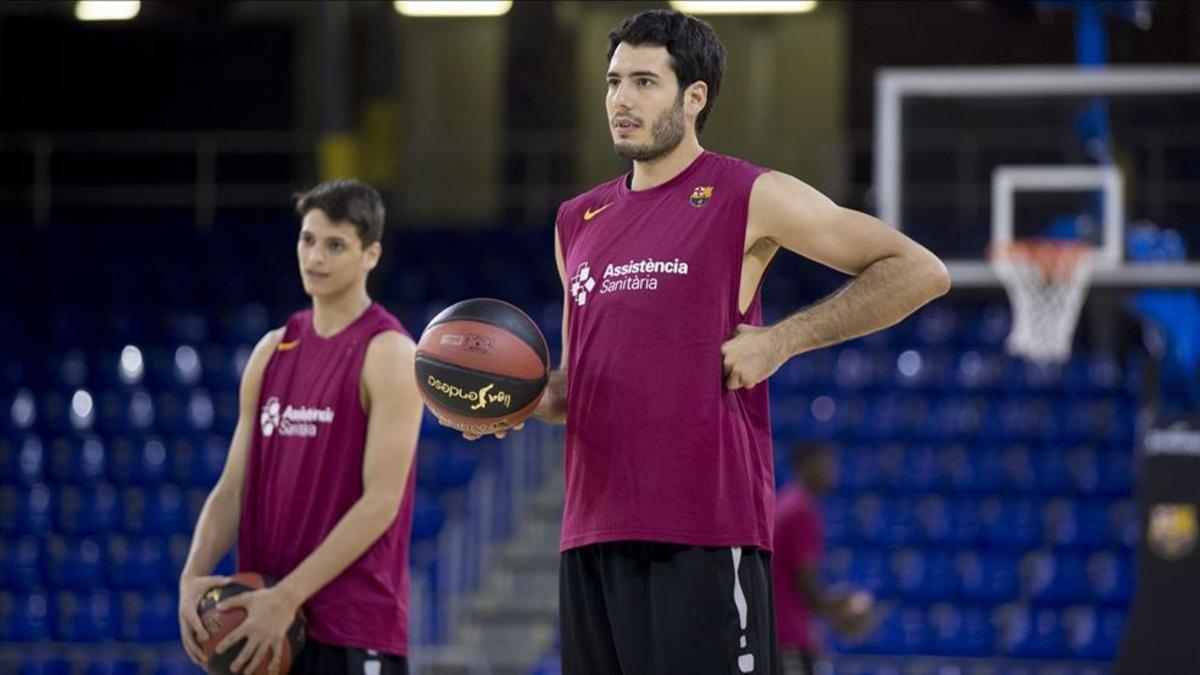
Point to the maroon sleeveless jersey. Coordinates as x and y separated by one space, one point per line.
305 472
657 448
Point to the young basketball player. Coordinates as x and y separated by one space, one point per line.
668 521
318 486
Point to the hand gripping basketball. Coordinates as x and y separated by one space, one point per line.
482 366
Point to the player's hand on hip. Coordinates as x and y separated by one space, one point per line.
750 356
269 614
191 628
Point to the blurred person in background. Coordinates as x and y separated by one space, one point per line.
800 596
318 485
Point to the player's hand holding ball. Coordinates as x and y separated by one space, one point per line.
854 614
482 367
191 628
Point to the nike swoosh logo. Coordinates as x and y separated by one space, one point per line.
284 346
589 214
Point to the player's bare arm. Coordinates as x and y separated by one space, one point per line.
893 276
553 407
218 524
393 406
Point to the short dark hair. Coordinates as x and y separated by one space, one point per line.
805 450
347 200
697 54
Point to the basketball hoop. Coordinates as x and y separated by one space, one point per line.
1047 281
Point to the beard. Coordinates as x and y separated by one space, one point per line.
665 135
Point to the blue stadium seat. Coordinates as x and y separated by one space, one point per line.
958 631
865 568
162 374
1060 522
119 368
906 632
1051 577
1023 376
452 464
24 617
112 664
245 325
1014 522
149 617
853 369
936 324
186 326
68 369
75 563
136 564
1026 633
1093 635
87 616
171 413
200 413
1125 523
835 518
26 510
988 577
220 368
126 412
1111 577
22 460
153 511
1050 472
173 664
1083 470
857 469
428 516
225 412
1017 468
20 563
197 461
962 419
88 510
978 371
1116 472
77 461
135 461
55 414
924 575
21 411
934 520
1025 419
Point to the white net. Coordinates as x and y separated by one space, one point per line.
1047 282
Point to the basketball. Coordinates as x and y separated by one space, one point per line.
482 365
219 624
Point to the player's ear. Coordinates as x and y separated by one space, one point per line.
373 252
695 97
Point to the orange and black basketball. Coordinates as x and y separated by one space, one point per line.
482 365
220 623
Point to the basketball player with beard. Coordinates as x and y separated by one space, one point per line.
667 528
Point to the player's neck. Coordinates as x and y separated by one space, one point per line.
657 171
332 314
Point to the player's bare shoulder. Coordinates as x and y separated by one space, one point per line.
387 367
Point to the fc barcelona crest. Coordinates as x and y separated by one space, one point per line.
701 195
1172 530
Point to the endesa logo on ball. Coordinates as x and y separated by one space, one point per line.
479 398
